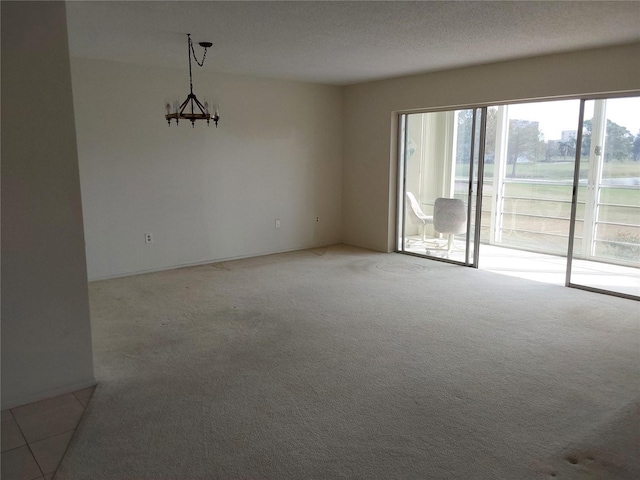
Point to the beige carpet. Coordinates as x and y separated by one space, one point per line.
345 363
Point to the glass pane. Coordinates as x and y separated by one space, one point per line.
528 188
606 254
436 167
537 182
488 188
477 136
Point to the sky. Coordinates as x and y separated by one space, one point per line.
554 117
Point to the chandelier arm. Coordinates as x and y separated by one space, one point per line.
183 105
191 100
200 106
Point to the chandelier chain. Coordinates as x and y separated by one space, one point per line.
194 54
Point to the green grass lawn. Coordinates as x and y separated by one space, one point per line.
560 170
523 186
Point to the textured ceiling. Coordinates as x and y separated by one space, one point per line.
344 42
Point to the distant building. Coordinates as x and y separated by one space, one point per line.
568 135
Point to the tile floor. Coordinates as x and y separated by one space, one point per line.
35 436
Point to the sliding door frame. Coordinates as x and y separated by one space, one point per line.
574 207
401 183
402 186
401 213
480 184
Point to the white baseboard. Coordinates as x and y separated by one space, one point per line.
206 262
17 402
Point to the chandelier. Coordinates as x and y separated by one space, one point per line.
191 109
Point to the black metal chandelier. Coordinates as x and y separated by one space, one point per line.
191 109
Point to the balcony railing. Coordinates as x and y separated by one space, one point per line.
535 216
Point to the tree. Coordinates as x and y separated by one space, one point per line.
635 150
619 142
465 122
492 126
587 132
525 140
463 147
567 148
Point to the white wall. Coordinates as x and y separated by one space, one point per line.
46 334
369 180
206 194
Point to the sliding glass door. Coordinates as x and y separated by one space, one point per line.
546 190
605 254
439 183
530 156
528 182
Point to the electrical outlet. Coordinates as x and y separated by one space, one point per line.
277 223
148 238
317 219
